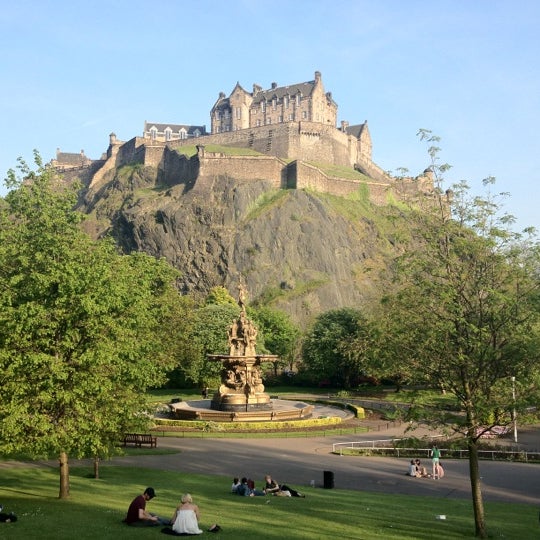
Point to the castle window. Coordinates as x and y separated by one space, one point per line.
291 117
274 103
268 120
298 100
197 133
258 123
304 115
238 112
263 106
280 119
153 133
182 133
168 132
286 101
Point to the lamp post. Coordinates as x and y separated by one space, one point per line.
514 408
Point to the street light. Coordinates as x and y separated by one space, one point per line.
514 408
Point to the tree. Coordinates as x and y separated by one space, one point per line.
280 334
466 317
82 328
327 347
210 336
220 296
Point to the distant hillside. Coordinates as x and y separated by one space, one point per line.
303 251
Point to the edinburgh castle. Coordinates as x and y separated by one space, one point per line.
287 135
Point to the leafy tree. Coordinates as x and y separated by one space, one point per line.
220 295
210 336
466 317
327 349
280 334
82 328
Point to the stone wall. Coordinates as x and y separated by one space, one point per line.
307 141
286 149
310 177
244 168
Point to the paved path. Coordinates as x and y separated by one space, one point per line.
298 461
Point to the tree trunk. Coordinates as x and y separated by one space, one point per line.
476 489
96 467
64 476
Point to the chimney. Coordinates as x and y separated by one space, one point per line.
274 85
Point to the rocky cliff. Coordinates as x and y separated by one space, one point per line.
304 252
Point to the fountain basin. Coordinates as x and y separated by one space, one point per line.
276 410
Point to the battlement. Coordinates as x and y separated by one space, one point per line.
306 148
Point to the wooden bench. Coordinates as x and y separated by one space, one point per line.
138 439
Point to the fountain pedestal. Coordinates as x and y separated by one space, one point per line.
242 388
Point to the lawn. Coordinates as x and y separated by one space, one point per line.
97 506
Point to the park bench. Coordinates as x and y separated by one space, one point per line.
138 439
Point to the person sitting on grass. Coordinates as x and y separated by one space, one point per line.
186 517
185 520
245 491
235 484
137 516
272 487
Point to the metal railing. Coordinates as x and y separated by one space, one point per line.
387 447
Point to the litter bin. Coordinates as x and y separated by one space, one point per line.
328 479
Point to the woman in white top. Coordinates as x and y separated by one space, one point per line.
186 517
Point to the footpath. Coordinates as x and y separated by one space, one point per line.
304 461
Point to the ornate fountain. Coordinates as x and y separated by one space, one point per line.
241 395
242 387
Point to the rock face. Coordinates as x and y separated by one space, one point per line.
304 252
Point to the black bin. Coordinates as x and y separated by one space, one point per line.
328 479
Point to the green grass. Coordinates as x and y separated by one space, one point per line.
267 201
97 506
341 171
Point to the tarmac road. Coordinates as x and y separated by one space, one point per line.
298 461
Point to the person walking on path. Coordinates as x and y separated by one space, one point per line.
435 457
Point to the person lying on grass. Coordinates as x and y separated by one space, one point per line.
273 488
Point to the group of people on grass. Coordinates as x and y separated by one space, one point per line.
185 520
416 470
246 487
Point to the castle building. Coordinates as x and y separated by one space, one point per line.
171 132
307 102
70 160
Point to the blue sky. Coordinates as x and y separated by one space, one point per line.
73 72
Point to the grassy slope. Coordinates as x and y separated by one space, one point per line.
97 507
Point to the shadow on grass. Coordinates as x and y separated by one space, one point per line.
97 506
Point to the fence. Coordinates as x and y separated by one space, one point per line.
386 447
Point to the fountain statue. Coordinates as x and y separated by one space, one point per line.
242 387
